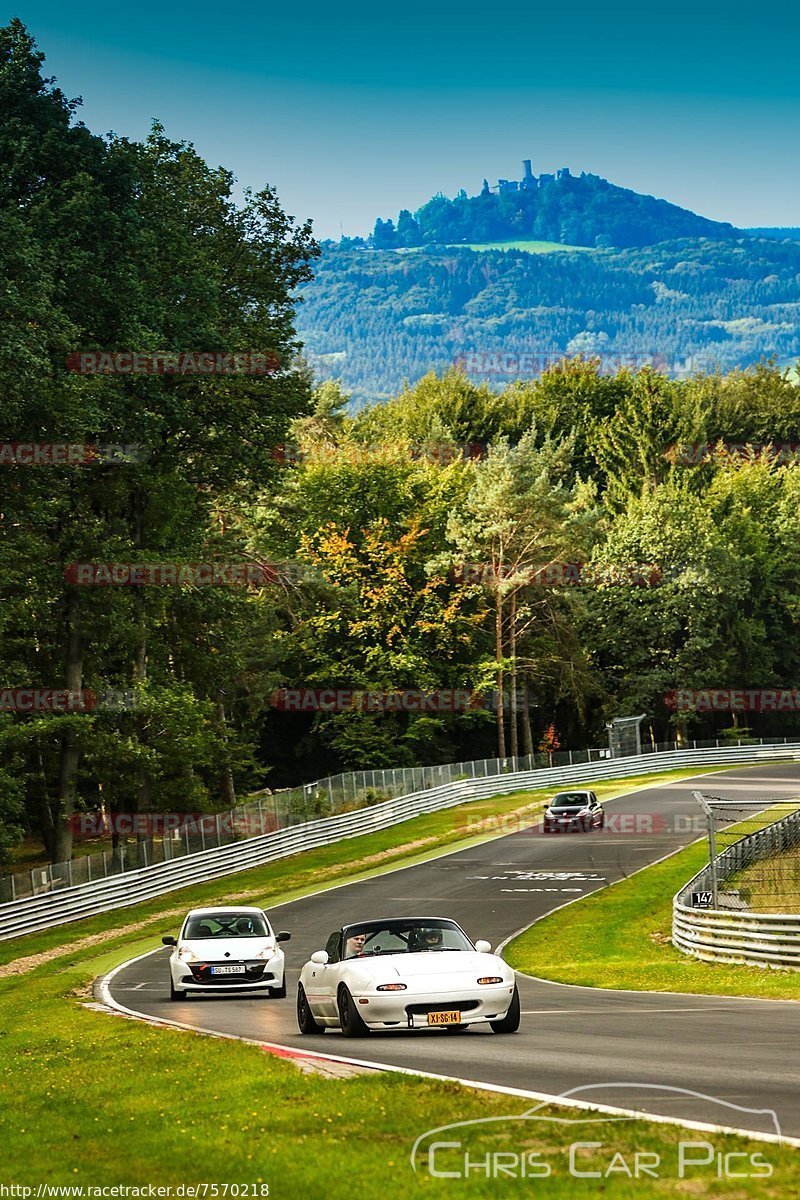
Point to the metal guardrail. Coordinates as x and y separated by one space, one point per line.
731 935
120 891
265 812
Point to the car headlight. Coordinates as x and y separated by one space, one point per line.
187 955
267 952
491 979
391 987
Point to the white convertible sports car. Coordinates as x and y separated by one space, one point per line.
228 950
405 973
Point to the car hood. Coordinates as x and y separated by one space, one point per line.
453 964
216 949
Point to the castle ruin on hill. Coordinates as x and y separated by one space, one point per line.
528 183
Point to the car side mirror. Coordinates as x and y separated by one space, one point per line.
169 941
483 947
283 936
320 957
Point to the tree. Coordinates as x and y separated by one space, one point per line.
522 514
134 247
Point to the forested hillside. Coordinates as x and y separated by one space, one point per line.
374 319
289 588
583 210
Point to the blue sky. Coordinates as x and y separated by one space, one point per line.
355 110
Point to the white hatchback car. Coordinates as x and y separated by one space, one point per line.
406 973
226 950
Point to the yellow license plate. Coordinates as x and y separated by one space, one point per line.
444 1018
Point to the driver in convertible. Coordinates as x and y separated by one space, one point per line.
354 946
426 939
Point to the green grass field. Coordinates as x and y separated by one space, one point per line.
92 1099
530 246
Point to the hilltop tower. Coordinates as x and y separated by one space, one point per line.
528 178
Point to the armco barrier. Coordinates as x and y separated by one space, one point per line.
119 891
733 935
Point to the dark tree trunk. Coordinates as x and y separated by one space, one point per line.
227 785
70 750
499 698
527 732
513 648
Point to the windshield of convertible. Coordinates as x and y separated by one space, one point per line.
371 938
570 800
225 925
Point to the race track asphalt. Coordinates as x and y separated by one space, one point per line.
739 1052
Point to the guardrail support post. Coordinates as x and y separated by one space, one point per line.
700 799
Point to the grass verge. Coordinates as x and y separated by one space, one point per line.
772 885
635 950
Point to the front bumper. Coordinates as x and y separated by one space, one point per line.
409 1010
257 975
567 824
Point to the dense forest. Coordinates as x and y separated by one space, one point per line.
540 548
375 320
580 210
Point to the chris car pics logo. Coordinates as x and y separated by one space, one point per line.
528 1146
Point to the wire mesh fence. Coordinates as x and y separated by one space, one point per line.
754 854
